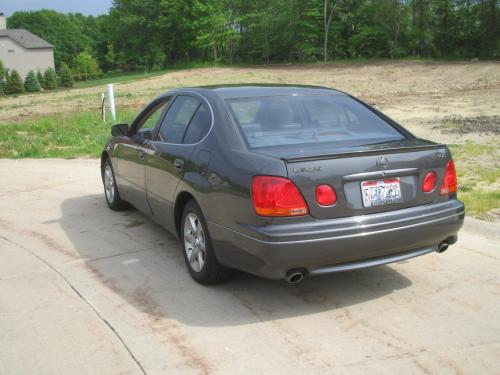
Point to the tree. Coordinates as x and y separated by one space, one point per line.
41 80
111 58
489 34
144 31
421 34
31 83
50 79
61 30
328 10
65 76
215 31
14 84
151 34
2 78
86 66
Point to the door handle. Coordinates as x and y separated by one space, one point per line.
142 155
179 164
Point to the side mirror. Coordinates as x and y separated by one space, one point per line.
119 130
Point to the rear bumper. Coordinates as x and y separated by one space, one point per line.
324 246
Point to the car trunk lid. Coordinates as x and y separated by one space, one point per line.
348 168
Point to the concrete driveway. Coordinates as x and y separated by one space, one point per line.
84 290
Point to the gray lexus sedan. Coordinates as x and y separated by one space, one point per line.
282 181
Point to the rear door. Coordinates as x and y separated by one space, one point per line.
187 121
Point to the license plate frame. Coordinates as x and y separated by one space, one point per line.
377 193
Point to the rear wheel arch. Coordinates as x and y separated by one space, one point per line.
180 203
104 157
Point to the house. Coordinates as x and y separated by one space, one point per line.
24 51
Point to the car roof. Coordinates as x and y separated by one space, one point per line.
256 90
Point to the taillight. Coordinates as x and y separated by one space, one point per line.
449 185
325 195
277 196
429 182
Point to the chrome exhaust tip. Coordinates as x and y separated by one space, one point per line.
294 276
442 247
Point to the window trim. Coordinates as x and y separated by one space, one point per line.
160 124
173 97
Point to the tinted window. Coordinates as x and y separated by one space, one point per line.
288 120
177 119
199 126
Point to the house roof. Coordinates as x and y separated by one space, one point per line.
25 38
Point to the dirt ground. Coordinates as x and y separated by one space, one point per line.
84 290
412 92
420 95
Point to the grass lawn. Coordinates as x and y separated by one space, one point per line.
115 78
122 77
478 171
58 136
84 135
119 78
479 203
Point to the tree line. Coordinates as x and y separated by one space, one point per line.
151 34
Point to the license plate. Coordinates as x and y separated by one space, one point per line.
381 192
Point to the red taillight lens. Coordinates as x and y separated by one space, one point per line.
325 195
429 182
449 185
277 196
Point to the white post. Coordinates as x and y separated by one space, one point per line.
111 98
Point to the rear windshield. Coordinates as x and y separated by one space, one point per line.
288 120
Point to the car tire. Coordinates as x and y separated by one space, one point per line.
198 251
110 189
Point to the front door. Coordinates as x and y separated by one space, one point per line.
185 124
132 155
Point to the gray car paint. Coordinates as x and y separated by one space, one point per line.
218 171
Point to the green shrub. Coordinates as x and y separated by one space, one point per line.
14 84
41 80
31 83
66 79
50 79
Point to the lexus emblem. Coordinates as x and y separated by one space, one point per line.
382 162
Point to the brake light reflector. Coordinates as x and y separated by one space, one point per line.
325 195
429 182
277 196
449 185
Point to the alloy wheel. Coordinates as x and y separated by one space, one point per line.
194 242
109 183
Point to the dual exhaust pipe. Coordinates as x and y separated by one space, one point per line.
442 247
295 276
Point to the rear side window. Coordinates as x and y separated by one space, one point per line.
199 125
177 119
288 120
